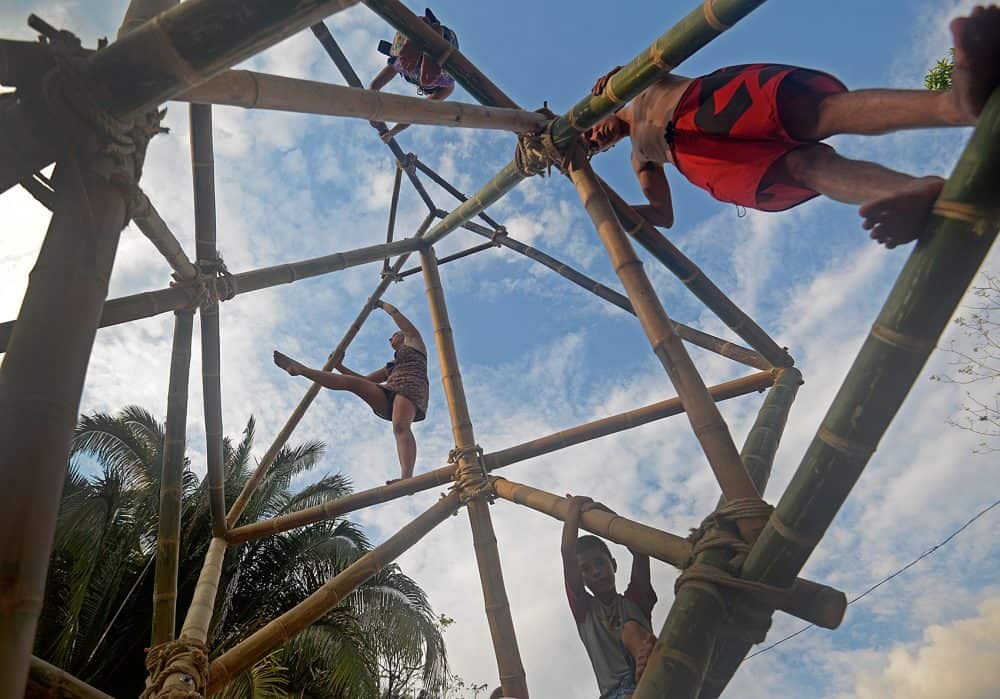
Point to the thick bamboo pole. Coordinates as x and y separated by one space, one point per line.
160 59
706 421
447 56
169 526
141 11
695 337
41 380
244 88
152 225
296 619
678 662
203 166
512 679
494 460
954 244
174 298
696 281
46 681
335 358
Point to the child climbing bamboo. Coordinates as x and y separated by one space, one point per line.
405 58
751 134
397 392
616 629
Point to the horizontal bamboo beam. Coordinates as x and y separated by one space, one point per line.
46 680
448 57
243 655
151 303
244 88
148 220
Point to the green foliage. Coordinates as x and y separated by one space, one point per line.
95 622
939 77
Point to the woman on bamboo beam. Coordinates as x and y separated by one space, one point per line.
405 58
397 392
751 135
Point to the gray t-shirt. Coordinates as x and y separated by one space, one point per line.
600 628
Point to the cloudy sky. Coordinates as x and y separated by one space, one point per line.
539 354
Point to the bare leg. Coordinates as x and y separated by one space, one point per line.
977 58
403 412
638 642
368 391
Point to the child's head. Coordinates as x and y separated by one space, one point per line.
597 565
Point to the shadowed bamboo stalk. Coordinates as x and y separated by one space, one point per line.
706 421
244 88
512 679
335 358
447 56
678 662
695 280
174 298
171 479
954 244
152 225
203 166
45 681
277 632
498 459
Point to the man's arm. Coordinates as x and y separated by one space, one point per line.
571 528
653 180
383 78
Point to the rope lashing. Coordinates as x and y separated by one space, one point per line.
213 284
408 163
471 480
390 275
184 663
537 152
499 232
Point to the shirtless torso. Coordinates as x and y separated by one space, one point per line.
648 116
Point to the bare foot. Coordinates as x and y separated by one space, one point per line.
900 217
977 58
287 363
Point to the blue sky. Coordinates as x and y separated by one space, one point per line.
539 355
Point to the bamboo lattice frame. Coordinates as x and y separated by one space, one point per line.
693 657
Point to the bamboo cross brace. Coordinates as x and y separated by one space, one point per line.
46 680
148 220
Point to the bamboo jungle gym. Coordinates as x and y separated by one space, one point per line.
92 112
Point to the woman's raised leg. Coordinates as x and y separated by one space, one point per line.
368 391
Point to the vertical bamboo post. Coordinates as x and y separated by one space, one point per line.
512 678
707 422
394 204
41 380
678 662
203 165
171 479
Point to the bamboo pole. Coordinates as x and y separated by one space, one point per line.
678 662
46 681
695 337
706 421
280 630
512 679
335 358
494 460
393 206
174 298
171 478
41 381
152 225
203 166
450 258
250 90
157 61
141 11
448 187
696 281
954 244
447 56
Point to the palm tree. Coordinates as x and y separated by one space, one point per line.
96 619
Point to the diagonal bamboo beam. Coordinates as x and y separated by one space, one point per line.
448 187
160 59
243 655
450 258
706 421
203 166
447 56
335 358
250 90
498 459
151 303
393 206
944 262
512 679
148 220
46 680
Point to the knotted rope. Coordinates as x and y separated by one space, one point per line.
537 152
213 284
471 480
185 662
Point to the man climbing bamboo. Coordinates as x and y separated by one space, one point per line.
752 135
397 392
405 58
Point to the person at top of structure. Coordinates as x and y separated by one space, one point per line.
751 135
397 392
616 629
405 58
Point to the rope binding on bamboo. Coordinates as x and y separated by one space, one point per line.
213 284
537 152
471 477
177 670
498 232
